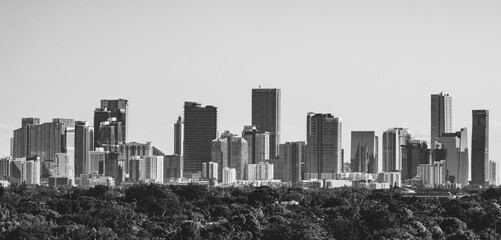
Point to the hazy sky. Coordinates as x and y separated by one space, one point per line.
372 63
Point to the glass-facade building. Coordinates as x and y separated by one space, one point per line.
266 115
200 128
441 116
364 152
480 147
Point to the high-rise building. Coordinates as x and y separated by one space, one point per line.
44 141
323 148
229 175
262 171
100 115
393 152
456 157
418 152
230 151
68 122
364 152
178 136
96 161
31 171
480 147
63 167
441 116
266 115
153 169
118 109
84 143
200 128
492 173
26 121
134 149
210 171
5 167
110 135
136 169
288 167
432 175
113 166
258 144
173 167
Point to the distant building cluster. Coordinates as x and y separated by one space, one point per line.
69 152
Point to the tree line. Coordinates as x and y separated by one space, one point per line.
152 211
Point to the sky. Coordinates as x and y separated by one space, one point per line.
372 63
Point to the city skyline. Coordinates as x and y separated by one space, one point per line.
318 55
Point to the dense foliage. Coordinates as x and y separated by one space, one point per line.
196 212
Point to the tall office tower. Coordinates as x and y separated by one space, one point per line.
84 143
110 135
230 151
261 172
113 167
62 165
173 167
200 128
16 169
26 121
480 147
393 152
492 172
258 143
153 169
44 141
31 171
69 123
96 161
118 109
5 167
178 136
100 115
418 152
229 175
210 171
441 116
364 152
433 175
134 149
266 115
323 147
456 157
288 166
136 169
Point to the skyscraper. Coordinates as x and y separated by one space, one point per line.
100 115
441 116
230 151
266 115
418 152
364 152
84 143
288 166
393 152
480 147
173 167
200 128
26 121
178 136
258 143
118 109
323 149
44 141
456 157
